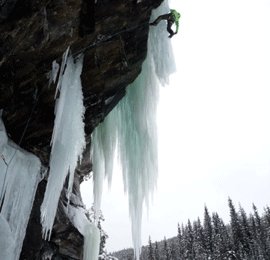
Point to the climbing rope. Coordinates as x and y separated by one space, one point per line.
103 38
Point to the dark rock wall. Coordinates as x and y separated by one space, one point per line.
112 36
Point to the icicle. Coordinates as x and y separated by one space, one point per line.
54 72
68 139
131 128
103 146
98 172
20 175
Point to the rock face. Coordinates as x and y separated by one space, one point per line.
112 36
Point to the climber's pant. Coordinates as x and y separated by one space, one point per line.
169 19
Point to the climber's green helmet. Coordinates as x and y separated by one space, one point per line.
175 14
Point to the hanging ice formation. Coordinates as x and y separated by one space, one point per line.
91 242
89 230
19 177
68 140
68 143
103 150
131 130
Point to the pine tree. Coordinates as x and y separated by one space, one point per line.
254 245
150 250
188 242
267 216
167 252
261 236
236 232
267 227
246 231
102 239
199 240
157 257
180 244
221 240
173 251
179 233
208 232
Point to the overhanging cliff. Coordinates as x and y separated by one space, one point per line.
112 35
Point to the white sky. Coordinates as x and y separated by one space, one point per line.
214 121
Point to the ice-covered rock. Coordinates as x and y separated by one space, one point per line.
6 240
20 175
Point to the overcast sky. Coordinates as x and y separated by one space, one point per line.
213 119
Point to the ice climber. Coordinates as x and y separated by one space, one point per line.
172 17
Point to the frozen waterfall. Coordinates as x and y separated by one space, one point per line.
68 140
19 177
130 129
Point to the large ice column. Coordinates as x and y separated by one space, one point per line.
19 177
131 128
138 144
139 157
68 141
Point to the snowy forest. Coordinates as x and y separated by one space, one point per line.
245 237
